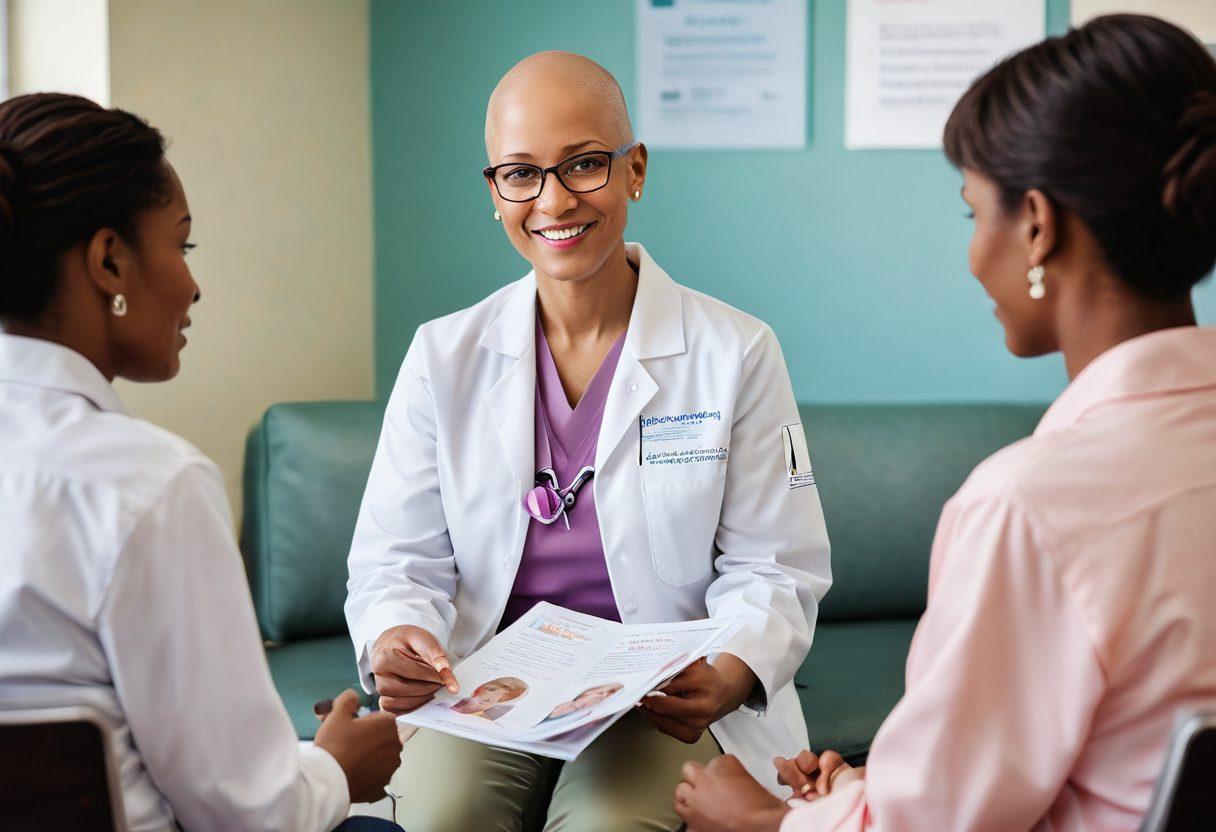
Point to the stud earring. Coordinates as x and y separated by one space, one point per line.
637 195
497 216
118 305
1035 277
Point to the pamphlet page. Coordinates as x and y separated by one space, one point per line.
555 679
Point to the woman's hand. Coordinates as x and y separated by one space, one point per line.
409 665
367 748
813 776
798 773
723 797
701 695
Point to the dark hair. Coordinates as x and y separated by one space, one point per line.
68 168
1115 122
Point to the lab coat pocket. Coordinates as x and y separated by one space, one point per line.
682 516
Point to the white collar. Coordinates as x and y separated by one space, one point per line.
36 362
656 325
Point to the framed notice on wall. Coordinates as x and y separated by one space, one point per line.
722 74
909 61
1197 16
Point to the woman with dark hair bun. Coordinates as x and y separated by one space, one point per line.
120 585
1069 617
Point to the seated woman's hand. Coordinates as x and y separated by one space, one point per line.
367 748
798 773
723 797
409 665
699 696
812 776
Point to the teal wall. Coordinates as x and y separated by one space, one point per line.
856 258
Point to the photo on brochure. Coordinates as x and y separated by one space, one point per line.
489 699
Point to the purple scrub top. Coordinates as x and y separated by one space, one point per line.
560 565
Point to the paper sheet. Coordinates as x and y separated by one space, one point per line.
724 74
556 679
909 62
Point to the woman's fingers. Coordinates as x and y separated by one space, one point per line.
829 761
677 706
687 680
807 761
673 727
790 774
403 705
427 648
397 688
412 653
345 704
394 661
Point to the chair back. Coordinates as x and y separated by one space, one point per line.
59 772
1184 799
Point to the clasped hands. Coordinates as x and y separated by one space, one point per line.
409 665
723 797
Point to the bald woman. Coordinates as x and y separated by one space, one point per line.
597 436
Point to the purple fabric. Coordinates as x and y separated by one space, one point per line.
566 567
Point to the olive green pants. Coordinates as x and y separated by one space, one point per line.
623 782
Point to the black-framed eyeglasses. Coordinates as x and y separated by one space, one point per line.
580 174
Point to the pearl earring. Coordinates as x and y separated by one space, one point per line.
1035 277
637 195
497 217
118 306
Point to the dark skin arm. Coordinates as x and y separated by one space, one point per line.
723 797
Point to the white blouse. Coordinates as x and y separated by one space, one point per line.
121 588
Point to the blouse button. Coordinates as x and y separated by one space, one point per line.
633 388
631 606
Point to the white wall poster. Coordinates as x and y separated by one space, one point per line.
909 61
718 74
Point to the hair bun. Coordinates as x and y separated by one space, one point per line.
10 174
1189 177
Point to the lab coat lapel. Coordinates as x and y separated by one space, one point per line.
632 389
656 330
512 399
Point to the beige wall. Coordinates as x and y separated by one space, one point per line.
265 104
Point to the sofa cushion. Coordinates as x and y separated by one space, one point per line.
305 672
884 472
306 466
851 681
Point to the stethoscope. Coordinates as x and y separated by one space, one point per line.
548 501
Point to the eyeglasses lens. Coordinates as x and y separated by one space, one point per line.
580 174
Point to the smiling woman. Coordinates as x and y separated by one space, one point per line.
597 436
108 277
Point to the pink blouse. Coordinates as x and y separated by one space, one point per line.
1070 614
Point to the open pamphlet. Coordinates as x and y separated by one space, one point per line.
555 679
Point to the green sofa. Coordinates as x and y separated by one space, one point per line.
883 473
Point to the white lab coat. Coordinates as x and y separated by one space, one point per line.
121 588
441 529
